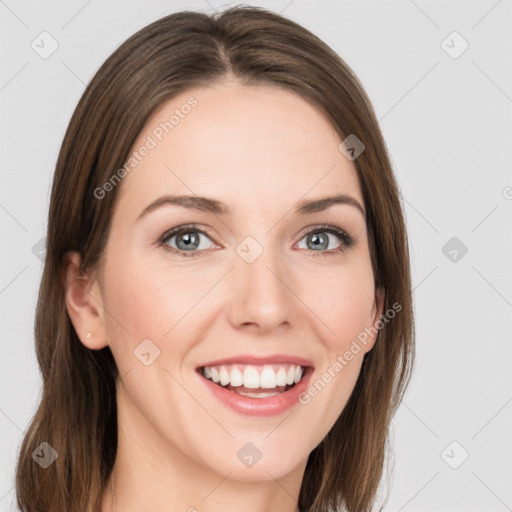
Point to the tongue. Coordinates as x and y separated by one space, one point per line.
238 389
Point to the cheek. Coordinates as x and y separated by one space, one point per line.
342 302
148 298
342 299
136 309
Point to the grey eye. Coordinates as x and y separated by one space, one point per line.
188 240
319 240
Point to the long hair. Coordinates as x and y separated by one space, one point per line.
77 413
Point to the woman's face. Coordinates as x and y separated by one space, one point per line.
262 285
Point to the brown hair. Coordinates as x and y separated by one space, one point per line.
77 414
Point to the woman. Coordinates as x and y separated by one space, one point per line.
224 319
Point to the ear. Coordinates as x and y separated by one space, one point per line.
376 315
84 304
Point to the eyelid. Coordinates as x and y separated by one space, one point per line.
345 238
184 227
312 228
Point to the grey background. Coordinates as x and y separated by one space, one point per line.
447 122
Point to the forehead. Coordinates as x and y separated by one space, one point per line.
247 145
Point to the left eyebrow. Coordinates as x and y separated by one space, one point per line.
206 204
319 205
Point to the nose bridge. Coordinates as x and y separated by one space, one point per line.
261 293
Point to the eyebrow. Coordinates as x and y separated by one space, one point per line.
206 204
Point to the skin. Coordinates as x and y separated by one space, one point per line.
259 149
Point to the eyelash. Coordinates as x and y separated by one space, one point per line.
347 240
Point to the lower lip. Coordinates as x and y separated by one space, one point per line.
269 406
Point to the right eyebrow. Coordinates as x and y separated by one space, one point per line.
204 204
217 207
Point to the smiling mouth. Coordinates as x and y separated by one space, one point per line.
254 381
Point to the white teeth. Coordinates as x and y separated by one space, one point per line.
251 378
224 376
268 378
290 377
236 378
254 377
281 377
215 374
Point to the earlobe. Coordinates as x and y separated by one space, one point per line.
376 314
378 305
84 304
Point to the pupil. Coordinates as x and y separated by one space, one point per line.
316 237
188 239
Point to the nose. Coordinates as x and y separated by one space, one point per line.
262 296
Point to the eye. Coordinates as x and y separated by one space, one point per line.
188 240
320 237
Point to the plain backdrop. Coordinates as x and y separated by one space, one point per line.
439 76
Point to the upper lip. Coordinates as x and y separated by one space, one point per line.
259 360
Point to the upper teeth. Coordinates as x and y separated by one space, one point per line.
267 376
